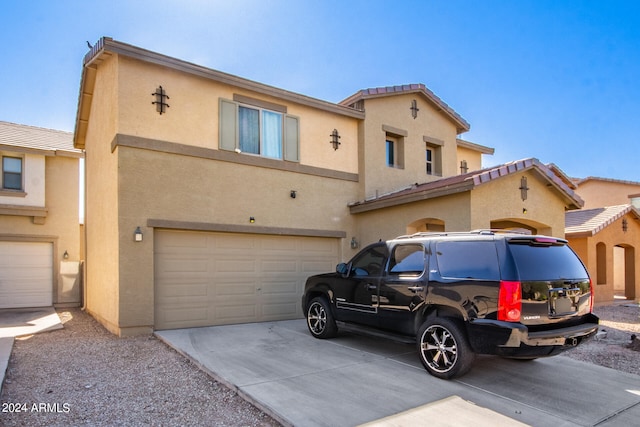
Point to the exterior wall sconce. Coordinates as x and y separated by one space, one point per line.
252 219
293 194
464 168
65 255
335 139
625 225
161 97
137 235
354 243
414 109
524 211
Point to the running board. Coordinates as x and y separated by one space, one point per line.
371 332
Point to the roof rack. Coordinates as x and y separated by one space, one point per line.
487 231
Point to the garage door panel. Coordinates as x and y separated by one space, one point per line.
26 274
249 278
182 289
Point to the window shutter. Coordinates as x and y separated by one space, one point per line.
228 125
291 139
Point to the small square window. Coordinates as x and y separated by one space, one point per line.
11 173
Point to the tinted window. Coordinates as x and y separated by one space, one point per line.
546 262
472 260
370 262
407 259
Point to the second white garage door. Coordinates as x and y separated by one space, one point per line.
206 279
26 274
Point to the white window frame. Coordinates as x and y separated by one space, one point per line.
5 172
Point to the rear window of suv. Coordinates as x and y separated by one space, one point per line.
468 260
546 262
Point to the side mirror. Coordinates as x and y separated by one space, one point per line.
342 268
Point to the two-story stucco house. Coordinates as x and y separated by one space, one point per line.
210 198
39 218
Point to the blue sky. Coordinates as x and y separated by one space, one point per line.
556 80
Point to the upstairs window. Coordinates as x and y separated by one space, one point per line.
260 128
433 159
11 173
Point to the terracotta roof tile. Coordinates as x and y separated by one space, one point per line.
588 222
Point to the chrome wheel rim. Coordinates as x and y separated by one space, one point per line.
439 348
317 318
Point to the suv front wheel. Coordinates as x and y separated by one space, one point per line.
443 348
320 319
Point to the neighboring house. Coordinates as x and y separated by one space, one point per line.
39 217
607 240
210 198
597 192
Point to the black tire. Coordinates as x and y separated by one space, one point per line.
443 348
320 320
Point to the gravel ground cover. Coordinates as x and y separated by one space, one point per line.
83 375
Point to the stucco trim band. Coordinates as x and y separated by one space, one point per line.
227 156
247 229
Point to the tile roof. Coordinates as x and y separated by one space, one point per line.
466 182
579 181
461 124
588 222
23 138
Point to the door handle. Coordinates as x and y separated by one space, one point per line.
370 287
416 288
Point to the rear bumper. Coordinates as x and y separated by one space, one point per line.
514 339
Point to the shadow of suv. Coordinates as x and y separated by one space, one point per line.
458 295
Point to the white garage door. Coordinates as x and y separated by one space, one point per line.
206 279
26 274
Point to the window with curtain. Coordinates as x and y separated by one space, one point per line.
260 132
257 129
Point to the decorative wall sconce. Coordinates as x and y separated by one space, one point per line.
524 211
523 188
354 243
137 235
161 97
414 109
252 219
625 225
464 168
65 255
293 194
335 139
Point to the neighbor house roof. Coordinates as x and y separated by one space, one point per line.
588 222
29 139
107 46
461 124
579 181
466 182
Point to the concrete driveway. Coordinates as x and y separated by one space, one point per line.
352 380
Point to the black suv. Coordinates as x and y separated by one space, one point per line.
458 294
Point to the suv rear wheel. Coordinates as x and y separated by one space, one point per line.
443 348
320 319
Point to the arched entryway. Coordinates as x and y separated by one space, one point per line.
522 225
425 225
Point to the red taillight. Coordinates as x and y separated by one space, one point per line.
509 301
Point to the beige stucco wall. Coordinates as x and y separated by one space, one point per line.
599 193
612 236
501 201
192 115
61 225
472 157
101 193
163 186
395 111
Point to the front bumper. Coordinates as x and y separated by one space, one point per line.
495 337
